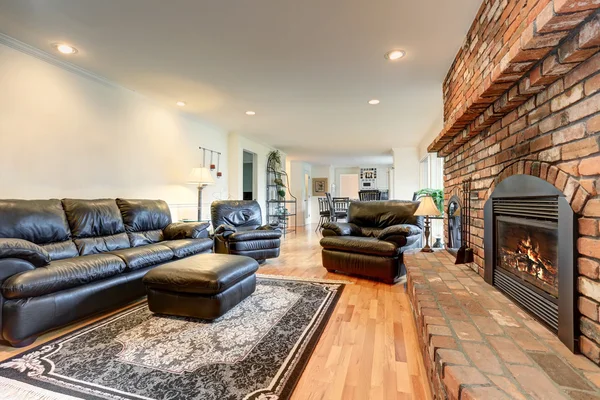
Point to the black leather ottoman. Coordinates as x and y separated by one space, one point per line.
204 286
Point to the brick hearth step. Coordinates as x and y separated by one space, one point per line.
477 344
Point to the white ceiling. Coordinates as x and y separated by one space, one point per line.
306 67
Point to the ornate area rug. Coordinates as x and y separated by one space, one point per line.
256 351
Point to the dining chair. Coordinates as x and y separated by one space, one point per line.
324 212
369 195
340 205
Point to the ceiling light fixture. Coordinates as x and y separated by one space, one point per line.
65 48
250 113
394 55
181 103
374 102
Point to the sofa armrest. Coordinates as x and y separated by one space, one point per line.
259 234
24 250
186 230
341 229
398 233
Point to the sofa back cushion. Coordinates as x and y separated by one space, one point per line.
381 214
243 214
144 220
96 225
42 222
38 221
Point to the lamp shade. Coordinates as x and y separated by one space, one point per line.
427 207
201 176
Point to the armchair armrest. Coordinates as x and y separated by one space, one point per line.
224 231
258 234
267 227
341 229
398 233
24 250
186 230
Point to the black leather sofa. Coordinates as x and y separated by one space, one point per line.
239 230
372 242
62 260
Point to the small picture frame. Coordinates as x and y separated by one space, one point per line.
320 186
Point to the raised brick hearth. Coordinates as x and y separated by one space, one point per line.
477 344
523 98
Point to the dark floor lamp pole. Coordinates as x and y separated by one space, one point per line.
202 177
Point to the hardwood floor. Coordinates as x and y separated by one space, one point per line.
369 349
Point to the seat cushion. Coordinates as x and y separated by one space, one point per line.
186 247
250 245
361 245
144 256
62 274
205 274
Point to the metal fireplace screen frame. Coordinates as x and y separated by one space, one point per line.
454 224
531 197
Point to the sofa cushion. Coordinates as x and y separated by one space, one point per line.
62 274
144 256
370 232
92 218
381 214
361 245
144 215
137 239
102 244
186 247
24 250
38 221
61 250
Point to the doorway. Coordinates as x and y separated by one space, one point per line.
349 186
249 176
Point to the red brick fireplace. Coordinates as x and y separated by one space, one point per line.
523 98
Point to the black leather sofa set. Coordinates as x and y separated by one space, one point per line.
62 260
373 241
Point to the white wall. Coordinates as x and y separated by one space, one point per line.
406 172
236 146
319 171
297 172
65 135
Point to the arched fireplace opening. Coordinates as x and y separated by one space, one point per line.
529 238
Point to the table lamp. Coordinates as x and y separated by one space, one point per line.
427 208
201 177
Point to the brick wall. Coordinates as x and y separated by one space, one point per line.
546 124
507 38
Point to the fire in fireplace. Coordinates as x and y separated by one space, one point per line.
527 249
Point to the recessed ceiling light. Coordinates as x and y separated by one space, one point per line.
181 103
395 55
374 102
250 113
65 48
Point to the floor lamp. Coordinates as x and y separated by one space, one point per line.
427 208
201 177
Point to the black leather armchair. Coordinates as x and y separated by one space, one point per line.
373 240
239 230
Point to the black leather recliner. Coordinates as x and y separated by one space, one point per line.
239 230
373 240
65 260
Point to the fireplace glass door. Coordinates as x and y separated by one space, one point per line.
528 250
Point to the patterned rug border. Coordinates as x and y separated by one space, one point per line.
304 279
294 374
